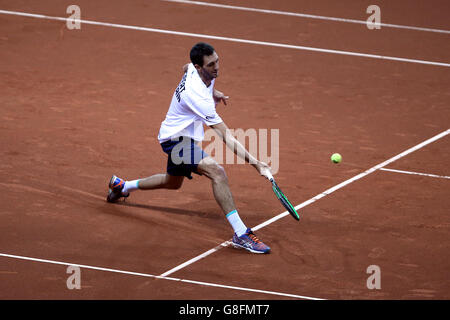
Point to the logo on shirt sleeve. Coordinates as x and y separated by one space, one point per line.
181 87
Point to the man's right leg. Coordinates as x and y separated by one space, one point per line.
210 168
243 236
222 193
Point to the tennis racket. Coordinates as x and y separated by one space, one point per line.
283 199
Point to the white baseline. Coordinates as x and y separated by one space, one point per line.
207 284
304 15
255 42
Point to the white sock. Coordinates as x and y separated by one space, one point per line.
130 186
236 222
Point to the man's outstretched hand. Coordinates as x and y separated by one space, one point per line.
219 96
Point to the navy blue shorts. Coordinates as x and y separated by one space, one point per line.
184 156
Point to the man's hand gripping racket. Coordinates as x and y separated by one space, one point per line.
280 195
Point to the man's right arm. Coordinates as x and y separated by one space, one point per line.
222 130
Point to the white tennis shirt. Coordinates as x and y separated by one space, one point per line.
192 106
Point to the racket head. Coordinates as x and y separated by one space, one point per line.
284 201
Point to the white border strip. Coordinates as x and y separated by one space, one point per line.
416 173
205 36
208 284
314 199
304 15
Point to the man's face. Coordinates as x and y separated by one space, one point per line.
210 69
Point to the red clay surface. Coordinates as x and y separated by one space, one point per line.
78 106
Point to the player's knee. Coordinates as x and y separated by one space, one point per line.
219 174
212 170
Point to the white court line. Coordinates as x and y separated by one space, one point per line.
314 199
205 36
416 173
304 15
207 284
195 259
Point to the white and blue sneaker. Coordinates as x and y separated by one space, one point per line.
116 185
250 242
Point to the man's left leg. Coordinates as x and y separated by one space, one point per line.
119 188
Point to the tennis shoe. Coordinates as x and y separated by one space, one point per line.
250 242
116 185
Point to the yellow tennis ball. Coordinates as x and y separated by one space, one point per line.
336 158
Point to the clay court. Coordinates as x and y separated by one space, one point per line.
80 105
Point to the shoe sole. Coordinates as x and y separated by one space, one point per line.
238 246
108 199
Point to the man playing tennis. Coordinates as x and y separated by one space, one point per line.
194 104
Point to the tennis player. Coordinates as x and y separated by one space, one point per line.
193 105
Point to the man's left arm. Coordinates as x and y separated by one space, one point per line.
219 96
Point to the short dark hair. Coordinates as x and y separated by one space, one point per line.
200 50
